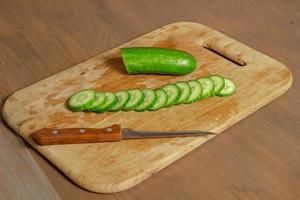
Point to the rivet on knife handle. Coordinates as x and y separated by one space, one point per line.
47 136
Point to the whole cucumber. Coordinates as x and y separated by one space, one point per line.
152 60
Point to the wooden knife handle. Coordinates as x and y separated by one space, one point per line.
47 136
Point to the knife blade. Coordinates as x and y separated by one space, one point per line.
114 133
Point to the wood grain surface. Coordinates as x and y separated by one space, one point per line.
261 153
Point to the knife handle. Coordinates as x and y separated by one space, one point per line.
48 136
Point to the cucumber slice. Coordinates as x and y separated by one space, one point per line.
228 89
123 98
173 93
136 98
149 100
82 100
111 100
162 99
100 100
196 91
207 87
218 83
185 91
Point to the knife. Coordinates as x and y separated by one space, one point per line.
114 133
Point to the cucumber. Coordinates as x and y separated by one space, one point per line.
123 97
136 98
152 60
111 100
100 100
196 91
149 100
228 89
207 87
173 93
162 99
185 91
218 83
82 100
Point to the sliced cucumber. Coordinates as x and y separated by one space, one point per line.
228 89
207 87
136 98
82 100
218 83
149 100
162 99
196 91
173 93
185 91
123 97
100 100
111 100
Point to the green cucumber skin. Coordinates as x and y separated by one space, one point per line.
152 60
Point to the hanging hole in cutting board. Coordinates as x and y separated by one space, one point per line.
231 59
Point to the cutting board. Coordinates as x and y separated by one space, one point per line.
113 167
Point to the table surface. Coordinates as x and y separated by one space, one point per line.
258 158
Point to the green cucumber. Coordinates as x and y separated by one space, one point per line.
228 89
196 91
149 100
82 100
123 97
207 87
185 91
110 101
136 98
218 83
173 93
152 60
162 99
100 100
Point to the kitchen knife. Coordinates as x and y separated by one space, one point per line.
114 133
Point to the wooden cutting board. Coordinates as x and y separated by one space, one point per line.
113 167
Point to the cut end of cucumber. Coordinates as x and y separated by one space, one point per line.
110 101
218 83
82 100
207 87
185 92
136 98
162 99
196 91
228 89
173 93
149 100
122 99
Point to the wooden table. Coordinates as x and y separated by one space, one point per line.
258 158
